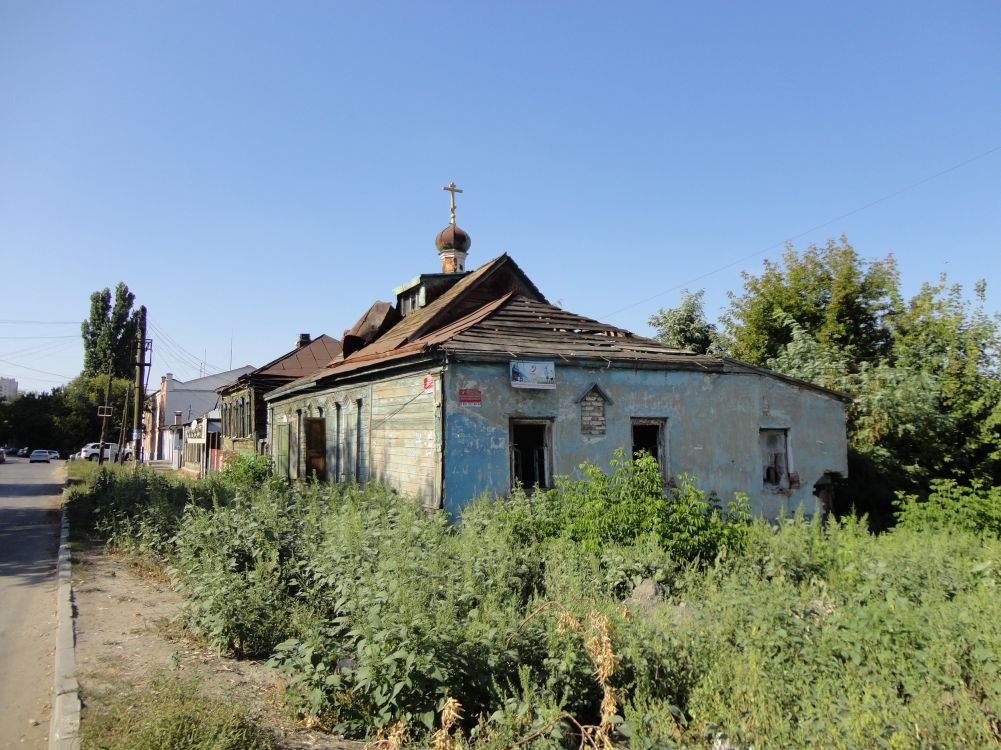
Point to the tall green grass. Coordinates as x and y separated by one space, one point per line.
375 612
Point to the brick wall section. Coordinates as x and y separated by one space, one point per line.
592 414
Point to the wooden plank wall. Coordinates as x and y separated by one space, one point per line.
405 436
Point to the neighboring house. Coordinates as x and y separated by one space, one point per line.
200 452
177 402
472 383
243 412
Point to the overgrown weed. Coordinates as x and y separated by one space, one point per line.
376 613
169 714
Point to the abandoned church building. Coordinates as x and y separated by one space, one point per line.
471 382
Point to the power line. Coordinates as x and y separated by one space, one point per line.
33 369
39 338
39 349
812 229
42 322
200 362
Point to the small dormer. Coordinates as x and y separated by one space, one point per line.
423 290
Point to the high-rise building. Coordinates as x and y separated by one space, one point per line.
8 388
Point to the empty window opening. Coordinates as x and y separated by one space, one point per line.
530 451
338 470
647 438
316 448
775 459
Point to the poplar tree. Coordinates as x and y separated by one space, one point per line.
109 334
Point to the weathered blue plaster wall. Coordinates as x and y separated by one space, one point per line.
713 423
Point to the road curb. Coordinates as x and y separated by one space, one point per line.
65 725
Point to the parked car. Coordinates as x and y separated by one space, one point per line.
24 452
55 455
3 456
38 456
90 452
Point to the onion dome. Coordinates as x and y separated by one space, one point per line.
452 238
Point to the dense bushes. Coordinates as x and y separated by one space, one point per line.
951 507
529 613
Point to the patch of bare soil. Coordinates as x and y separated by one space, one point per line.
126 632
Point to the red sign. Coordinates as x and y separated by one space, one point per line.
429 383
470 397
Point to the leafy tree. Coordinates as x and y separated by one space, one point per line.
940 333
686 326
76 419
928 409
27 421
835 296
66 418
109 334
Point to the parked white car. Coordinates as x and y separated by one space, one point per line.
38 456
91 451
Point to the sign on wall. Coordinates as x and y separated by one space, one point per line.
470 397
526 374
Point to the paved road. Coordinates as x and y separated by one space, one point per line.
29 544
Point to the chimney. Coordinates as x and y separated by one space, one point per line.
177 419
302 341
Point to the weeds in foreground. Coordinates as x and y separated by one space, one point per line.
376 614
171 714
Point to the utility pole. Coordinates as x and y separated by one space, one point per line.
125 419
140 390
104 412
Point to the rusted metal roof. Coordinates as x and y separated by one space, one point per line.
295 364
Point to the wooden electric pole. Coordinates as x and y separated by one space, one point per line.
140 391
104 412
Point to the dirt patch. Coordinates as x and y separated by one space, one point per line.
126 631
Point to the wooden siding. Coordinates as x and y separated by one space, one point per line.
406 436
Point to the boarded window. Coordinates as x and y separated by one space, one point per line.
531 448
592 413
774 446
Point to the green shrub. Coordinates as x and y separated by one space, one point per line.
247 471
952 507
629 503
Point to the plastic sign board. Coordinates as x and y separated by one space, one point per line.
526 374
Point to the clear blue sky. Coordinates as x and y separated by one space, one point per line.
255 170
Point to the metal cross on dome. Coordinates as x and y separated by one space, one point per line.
451 188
